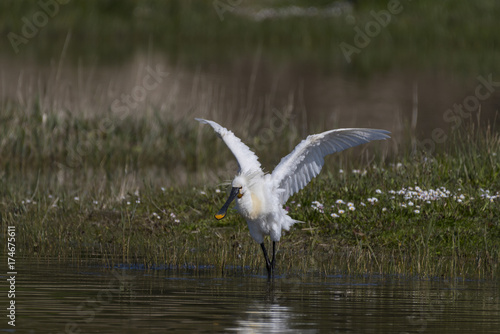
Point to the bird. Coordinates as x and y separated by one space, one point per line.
260 196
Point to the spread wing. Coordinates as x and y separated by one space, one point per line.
305 162
247 160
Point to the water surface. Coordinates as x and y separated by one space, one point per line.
65 298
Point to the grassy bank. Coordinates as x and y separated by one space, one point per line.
145 191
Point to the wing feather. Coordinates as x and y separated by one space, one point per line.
304 163
247 160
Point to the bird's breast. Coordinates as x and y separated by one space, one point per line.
256 207
251 207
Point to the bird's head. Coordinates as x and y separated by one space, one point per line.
238 189
240 183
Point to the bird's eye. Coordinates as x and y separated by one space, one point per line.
240 195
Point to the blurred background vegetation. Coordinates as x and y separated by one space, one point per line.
458 38
238 62
447 35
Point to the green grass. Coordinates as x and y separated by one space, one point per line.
145 190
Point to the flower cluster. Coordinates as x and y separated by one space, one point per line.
174 217
318 206
486 194
412 199
417 193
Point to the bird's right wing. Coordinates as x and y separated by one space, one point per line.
247 160
305 162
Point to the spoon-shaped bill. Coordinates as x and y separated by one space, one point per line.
222 212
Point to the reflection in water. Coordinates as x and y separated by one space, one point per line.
264 318
66 298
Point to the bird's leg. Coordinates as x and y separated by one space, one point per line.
268 263
273 261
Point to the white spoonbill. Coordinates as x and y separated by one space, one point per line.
260 197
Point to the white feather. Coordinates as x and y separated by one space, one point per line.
304 163
247 160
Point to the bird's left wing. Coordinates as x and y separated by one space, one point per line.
305 162
247 160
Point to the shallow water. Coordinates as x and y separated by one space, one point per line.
69 298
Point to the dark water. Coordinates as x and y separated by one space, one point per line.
69 298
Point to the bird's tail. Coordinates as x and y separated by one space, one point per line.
289 222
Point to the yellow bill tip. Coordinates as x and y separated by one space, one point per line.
219 216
